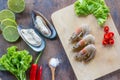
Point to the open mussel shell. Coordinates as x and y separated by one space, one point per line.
36 48
48 25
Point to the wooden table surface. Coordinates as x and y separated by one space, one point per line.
54 48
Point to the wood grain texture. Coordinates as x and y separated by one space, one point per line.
106 59
53 48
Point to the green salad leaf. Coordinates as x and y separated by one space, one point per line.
96 7
2 68
16 62
81 8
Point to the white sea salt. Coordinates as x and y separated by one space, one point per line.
54 62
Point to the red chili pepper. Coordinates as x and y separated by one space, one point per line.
33 71
106 29
111 41
34 68
39 74
111 34
104 42
106 36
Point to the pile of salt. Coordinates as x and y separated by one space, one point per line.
54 62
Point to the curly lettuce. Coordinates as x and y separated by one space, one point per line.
16 62
96 7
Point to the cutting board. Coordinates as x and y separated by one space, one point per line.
107 58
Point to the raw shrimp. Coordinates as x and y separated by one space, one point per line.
86 54
88 39
79 32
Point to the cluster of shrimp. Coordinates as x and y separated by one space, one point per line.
85 42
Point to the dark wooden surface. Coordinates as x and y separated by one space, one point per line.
54 48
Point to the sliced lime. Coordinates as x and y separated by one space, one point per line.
10 33
6 14
7 22
16 6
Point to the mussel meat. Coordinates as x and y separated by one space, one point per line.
45 28
31 37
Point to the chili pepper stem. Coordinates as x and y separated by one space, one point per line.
36 61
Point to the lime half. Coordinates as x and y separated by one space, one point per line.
6 14
10 34
16 6
7 22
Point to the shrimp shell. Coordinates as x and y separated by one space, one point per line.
83 30
86 54
88 39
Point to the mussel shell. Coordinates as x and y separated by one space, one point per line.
49 25
26 35
38 48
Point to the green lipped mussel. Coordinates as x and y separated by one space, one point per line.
30 36
44 27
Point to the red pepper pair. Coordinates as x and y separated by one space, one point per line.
34 74
108 36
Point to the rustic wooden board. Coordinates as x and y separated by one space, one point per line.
107 58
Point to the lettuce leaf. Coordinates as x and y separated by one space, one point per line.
2 68
96 7
16 62
81 8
